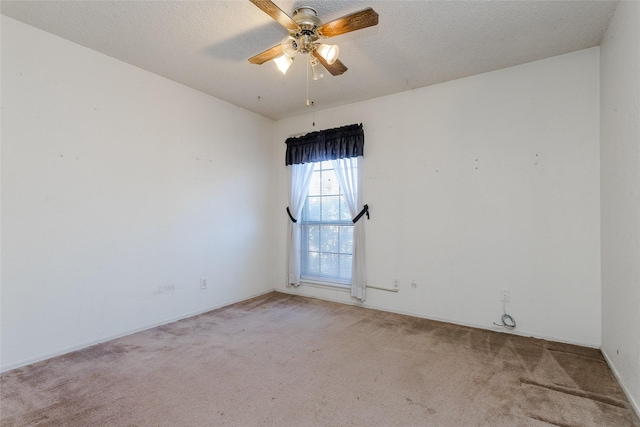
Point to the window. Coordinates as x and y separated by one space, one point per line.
324 244
326 229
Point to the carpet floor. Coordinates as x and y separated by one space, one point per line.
282 360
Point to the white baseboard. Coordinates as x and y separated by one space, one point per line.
65 350
634 403
300 291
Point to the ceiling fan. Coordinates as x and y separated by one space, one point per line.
305 32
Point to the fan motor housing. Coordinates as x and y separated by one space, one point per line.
307 19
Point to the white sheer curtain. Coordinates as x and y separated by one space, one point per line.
300 178
349 173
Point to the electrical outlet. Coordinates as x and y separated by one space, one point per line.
504 295
414 284
203 283
395 284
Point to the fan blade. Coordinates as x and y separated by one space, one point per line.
267 55
268 7
355 21
336 69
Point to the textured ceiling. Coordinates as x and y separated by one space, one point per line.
206 44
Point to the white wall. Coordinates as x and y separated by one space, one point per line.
620 194
476 185
120 190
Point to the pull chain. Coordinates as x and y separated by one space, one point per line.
310 103
308 65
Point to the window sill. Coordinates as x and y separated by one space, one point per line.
326 285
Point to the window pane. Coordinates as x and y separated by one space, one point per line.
313 235
314 186
345 214
329 238
346 239
345 267
330 186
331 208
329 265
311 264
312 210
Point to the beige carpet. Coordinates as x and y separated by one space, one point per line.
280 360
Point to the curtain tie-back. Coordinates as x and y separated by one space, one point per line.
364 210
291 216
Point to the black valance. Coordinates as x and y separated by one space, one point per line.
330 144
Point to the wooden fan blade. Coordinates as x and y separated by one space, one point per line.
267 55
355 21
335 69
268 7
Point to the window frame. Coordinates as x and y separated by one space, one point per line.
342 221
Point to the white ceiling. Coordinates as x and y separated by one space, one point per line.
206 44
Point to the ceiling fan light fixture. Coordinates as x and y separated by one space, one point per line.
290 46
283 62
316 68
329 52
306 31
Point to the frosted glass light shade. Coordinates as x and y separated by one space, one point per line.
290 46
316 68
283 62
329 52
